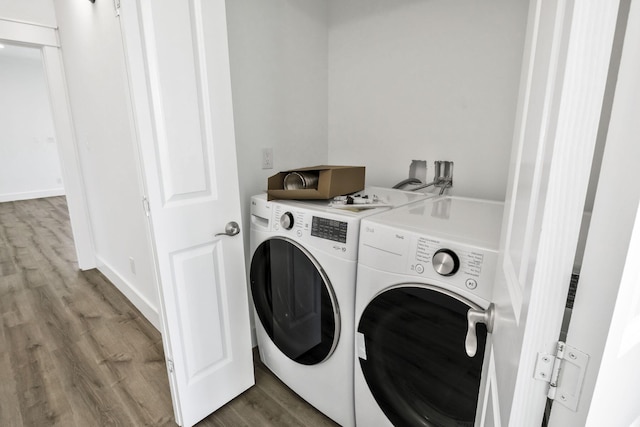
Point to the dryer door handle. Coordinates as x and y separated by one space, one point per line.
473 318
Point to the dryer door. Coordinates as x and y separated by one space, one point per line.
294 301
416 366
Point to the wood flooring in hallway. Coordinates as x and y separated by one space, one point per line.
75 352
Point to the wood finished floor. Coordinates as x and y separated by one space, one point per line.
75 352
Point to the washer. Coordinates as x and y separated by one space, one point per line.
424 270
303 277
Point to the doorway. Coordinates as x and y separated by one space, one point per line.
29 165
45 40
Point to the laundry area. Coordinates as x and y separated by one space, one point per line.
405 275
381 200
421 96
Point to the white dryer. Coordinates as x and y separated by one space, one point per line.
303 277
425 270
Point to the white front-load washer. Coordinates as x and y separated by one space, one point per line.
425 273
303 277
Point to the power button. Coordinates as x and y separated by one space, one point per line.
419 268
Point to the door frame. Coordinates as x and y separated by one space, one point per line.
46 39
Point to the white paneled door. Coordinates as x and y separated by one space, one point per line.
178 65
564 73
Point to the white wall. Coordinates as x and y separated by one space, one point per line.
278 54
376 83
425 79
29 163
96 75
38 12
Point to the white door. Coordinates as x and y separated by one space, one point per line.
567 52
178 64
606 313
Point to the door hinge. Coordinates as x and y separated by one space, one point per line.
564 371
170 365
145 206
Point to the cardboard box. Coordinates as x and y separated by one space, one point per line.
332 181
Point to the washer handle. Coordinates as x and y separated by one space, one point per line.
473 318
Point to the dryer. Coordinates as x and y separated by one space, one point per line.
303 277
425 274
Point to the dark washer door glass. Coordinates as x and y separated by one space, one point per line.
294 301
417 368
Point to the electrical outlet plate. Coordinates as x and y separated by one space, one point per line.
267 158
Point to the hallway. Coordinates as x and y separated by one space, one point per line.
75 352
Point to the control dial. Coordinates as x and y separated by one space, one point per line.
286 220
445 262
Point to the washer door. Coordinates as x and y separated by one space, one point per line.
416 365
294 301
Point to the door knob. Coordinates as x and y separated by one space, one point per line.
231 229
473 318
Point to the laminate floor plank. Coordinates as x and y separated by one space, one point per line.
37 385
16 305
7 265
121 366
286 398
74 352
10 414
256 408
93 400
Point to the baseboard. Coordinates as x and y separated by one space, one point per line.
148 310
28 195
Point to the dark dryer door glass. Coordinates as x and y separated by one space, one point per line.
294 301
417 368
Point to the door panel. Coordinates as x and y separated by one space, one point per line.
180 76
544 39
178 61
202 305
184 167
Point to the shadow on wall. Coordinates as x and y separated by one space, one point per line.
352 11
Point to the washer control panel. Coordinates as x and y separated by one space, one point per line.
445 262
429 258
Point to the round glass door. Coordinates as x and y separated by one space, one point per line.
416 367
294 301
